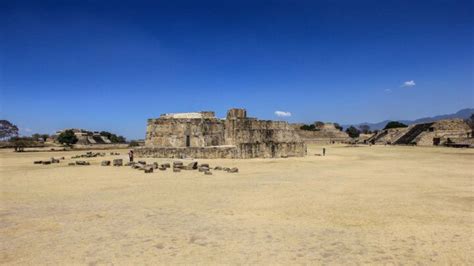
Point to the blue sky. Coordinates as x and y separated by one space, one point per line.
110 65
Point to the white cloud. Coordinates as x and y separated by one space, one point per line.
388 90
282 114
409 83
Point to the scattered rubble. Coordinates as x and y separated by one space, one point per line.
142 165
89 155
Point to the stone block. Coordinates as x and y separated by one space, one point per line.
234 170
192 166
148 170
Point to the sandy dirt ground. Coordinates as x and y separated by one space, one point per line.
357 205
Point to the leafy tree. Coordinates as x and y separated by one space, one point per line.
121 139
67 137
336 125
19 143
112 137
394 124
37 136
353 132
365 129
308 127
133 143
318 125
7 130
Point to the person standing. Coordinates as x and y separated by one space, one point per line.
324 151
130 155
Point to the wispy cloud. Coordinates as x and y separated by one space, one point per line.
388 90
408 83
282 114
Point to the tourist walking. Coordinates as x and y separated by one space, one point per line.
130 155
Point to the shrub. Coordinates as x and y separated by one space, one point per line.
67 137
394 124
19 143
308 127
133 143
353 132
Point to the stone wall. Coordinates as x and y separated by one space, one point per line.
440 132
201 135
271 150
261 138
327 134
443 132
183 132
228 152
388 136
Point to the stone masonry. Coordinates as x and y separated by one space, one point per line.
202 135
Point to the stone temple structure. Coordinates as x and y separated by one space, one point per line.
202 135
325 134
85 137
449 132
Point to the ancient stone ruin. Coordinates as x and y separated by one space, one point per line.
85 137
449 132
327 133
202 135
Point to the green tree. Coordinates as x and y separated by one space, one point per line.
353 132
121 139
37 136
7 130
112 137
365 129
133 143
308 127
318 125
336 125
394 124
67 137
19 143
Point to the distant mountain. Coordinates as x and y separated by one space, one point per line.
463 114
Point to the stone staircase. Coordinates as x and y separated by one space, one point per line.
98 140
413 133
377 136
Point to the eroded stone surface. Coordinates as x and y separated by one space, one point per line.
202 135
